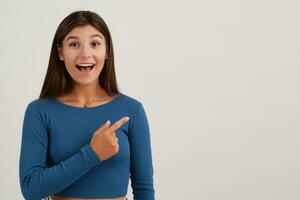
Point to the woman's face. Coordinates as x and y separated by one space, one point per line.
83 51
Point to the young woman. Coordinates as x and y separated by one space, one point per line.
82 139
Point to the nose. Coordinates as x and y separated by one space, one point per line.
85 51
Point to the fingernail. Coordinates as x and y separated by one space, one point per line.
127 118
107 122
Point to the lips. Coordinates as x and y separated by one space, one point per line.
85 67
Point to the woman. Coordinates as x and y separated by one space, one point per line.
82 139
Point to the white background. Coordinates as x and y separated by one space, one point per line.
219 81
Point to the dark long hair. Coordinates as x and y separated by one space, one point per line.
58 81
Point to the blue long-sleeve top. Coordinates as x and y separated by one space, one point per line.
56 157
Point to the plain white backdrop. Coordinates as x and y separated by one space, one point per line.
219 81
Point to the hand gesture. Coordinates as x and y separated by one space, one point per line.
104 141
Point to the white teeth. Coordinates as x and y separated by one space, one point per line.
85 65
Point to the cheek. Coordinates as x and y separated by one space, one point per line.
69 62
100 54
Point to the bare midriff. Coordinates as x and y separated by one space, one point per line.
68 198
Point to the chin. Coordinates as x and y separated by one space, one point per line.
86 82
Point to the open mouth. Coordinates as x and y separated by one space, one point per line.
85 67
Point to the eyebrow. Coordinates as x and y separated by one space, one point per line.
75 37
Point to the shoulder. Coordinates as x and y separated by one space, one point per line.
130 99
39 105
36 112
136 107
39 102
138 118
132 103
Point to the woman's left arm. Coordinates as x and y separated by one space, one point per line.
141 168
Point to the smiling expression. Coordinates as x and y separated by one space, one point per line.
83 51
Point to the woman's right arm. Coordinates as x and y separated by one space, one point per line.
36 180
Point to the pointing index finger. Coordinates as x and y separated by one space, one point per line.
117 124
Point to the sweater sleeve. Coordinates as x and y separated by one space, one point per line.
38 181
141 169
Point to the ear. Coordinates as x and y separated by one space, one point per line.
59 50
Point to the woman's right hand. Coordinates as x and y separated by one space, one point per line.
104 141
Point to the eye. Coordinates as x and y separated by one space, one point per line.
73 44
95 43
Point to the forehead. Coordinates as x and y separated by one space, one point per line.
82 32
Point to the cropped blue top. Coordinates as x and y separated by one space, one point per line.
56 157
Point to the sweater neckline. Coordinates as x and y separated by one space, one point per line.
89 108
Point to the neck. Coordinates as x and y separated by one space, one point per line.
88 93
